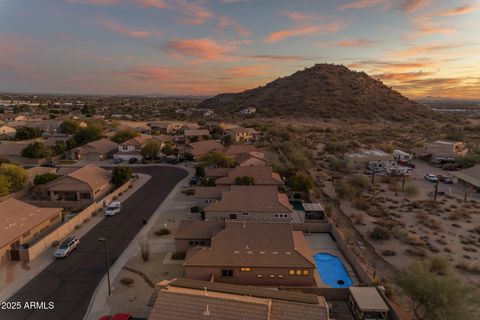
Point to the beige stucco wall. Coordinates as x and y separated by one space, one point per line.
252 216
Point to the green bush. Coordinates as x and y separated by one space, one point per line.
162 232
120 175
380 233
300 182
44 178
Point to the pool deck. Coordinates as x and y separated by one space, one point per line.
323 242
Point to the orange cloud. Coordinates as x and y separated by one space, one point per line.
302 31
299 16
203 49
457 11
277 57
227 22
115 26
414 5
362 4
194 14
96 2
429 48
355 43
247 71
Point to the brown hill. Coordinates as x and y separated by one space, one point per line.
322 91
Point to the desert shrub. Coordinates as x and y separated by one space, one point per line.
55 243
78 226
380 233
127 281
439 265
359 181
162 232
410 190
361 203
388 253
178 255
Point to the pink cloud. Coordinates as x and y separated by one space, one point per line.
193 14
159 4
203 49
302 31
362 4
117 27
355 43
458 11
414 5
299 16
228 22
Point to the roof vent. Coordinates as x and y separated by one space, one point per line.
250 252
275 252
236 251
288 252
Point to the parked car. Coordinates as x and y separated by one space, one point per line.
113 208
118 316
171 159
66 247
117 160
196 180
132 160
406 163
445 179
431 177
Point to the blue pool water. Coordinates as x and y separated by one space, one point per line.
297 205
332 271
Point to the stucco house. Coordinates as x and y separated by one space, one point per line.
262 175
254 253
7 133
242 134
198 149
93 151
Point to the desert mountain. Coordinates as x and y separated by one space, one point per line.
322 91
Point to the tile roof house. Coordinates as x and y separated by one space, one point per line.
215 173
192 233
210 194
7 133
254 253
96 150
23 223
246 155
261 203
80 187
249 160
262 175
242 134
132 148
191 134
200 148
192 299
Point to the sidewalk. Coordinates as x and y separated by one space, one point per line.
15 274
98 303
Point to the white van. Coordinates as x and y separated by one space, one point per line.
113 208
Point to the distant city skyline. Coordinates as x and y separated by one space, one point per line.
204 47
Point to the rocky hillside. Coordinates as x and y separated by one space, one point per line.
322 91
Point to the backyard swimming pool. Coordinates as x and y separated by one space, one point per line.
331 270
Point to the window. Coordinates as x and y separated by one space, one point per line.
232 216
291 272
125 148
305 272
227 273
84 195
280 276
245 214
298 272
245 269
190 242
272 276
259 275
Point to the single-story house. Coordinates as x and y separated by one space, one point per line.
195 134
262 175
257 203
215 173
469 177
22 224
198 149
93 151
165 127
210 194
82 186
131 148
7 133
192 233
49 126
443 151
249 160
188 299
254 253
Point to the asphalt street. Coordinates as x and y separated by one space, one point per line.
70 283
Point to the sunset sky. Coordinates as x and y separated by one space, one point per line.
202 47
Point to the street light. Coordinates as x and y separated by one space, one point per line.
107 266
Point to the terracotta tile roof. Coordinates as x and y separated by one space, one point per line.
188 299
254 244
18 217
195 132
245 157
210 192
136 141
251 199
101 146
263 175
92 175
218 172
198 229
203 147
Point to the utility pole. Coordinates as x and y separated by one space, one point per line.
107 265
436 191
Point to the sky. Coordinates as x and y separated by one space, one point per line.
204 47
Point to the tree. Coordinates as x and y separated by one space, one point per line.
27 133
245 181
16 175
200 171
124 135
69 126
217 159
120 175
227 140
36 150
59 147
438 297
44 178
169 149
88 110
151 149
300 182
5 186
87 134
